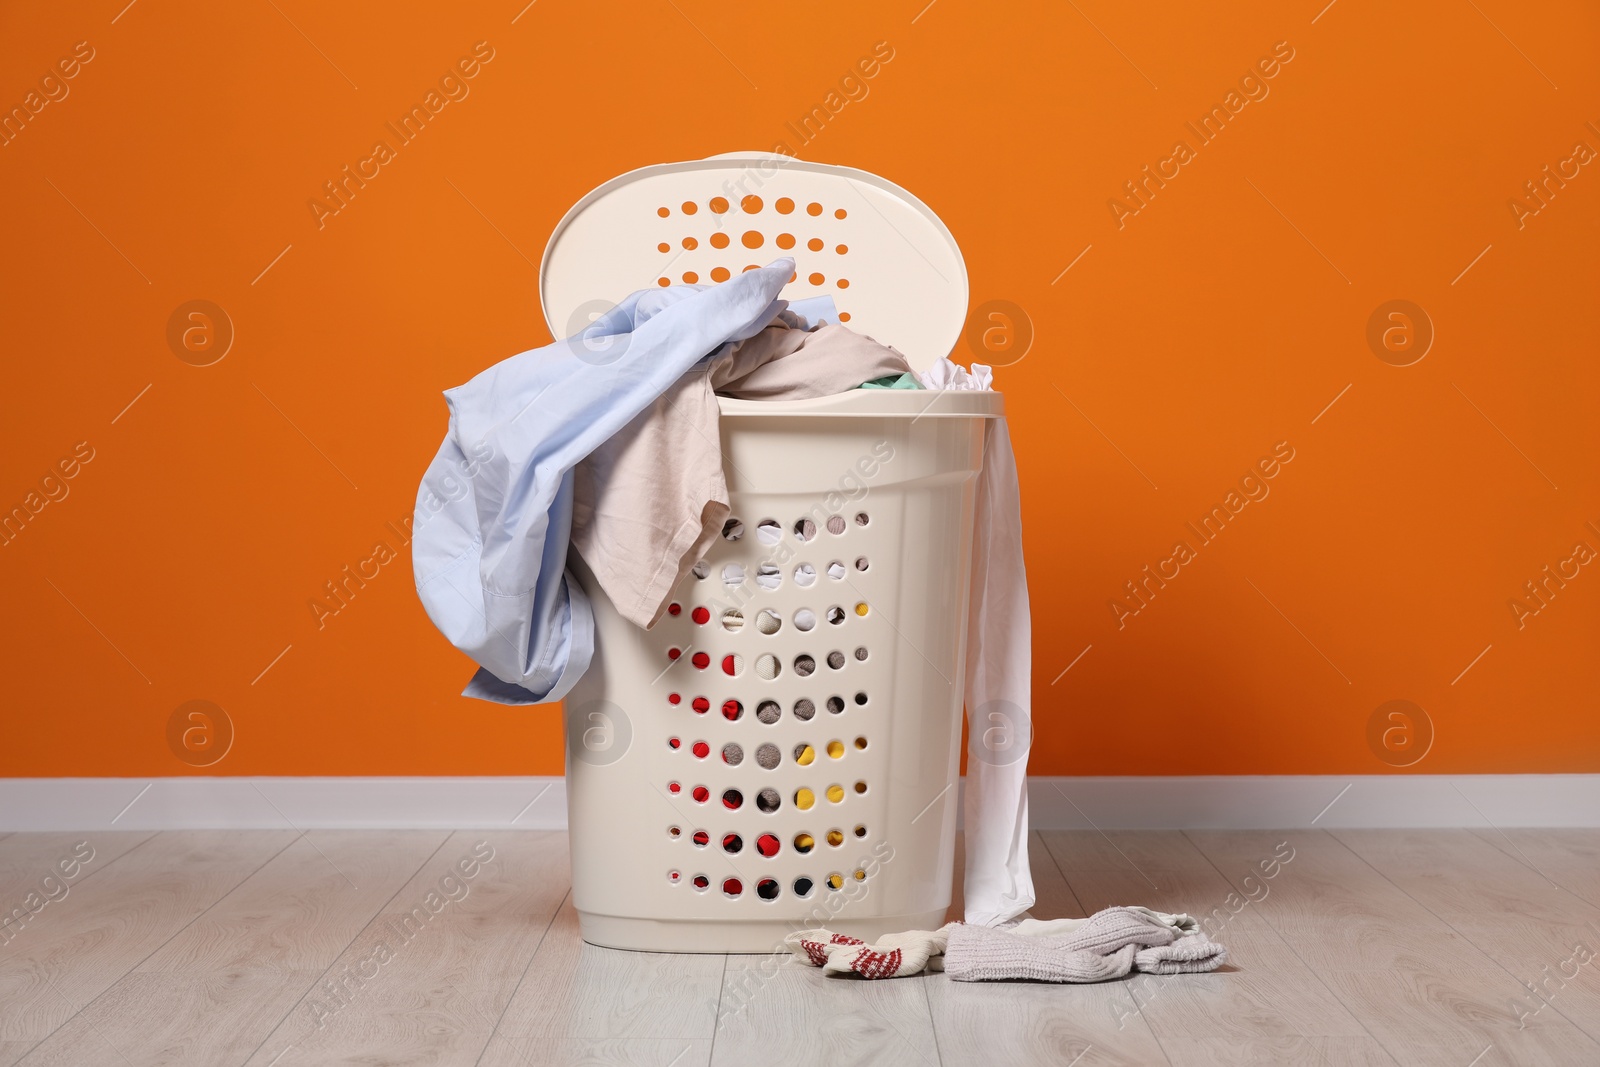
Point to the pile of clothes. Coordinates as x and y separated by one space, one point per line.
1108 944
607 441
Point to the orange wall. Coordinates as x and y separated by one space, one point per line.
1182 345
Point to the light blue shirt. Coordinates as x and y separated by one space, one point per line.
494 512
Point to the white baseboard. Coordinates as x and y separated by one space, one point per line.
540 803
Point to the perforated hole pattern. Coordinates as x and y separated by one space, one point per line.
714 239
762 600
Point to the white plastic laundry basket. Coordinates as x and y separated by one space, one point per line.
781 751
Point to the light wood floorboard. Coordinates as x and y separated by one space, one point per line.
1537 931
424 986
1365 947
1421 989
1265 1006
214 992
112 919
576 1003
1570 858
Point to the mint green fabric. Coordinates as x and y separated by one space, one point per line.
893 381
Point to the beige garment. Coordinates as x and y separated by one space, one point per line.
650 501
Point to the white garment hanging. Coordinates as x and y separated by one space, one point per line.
999 884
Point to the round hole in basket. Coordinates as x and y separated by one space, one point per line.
862 563
674 832
836 704
701 615
674 699
835 838
836 524
769 712
836 616
674 788
861 787
861 831
836 571
835 749
701 569
804 574
732 664
732 799
804 709
768 845
701 660
861 699
804 619
859 875
768 576
674 609
768 621
805 530
674 652
701 794
732 710
862 609
836 794
861 652
768 666
701 881
861 744
732 754
804 799
674 877
700 749
767 889
701 838
733 575
835 881
862 518
804 754
732 530
769 532
804 665
732 843
768 801
673 742
804 842
732 887
701 705
733 620
768 757
836 660
802 886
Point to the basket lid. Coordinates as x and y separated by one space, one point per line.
891 266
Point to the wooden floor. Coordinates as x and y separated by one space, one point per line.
221 948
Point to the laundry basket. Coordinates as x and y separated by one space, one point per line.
781 751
